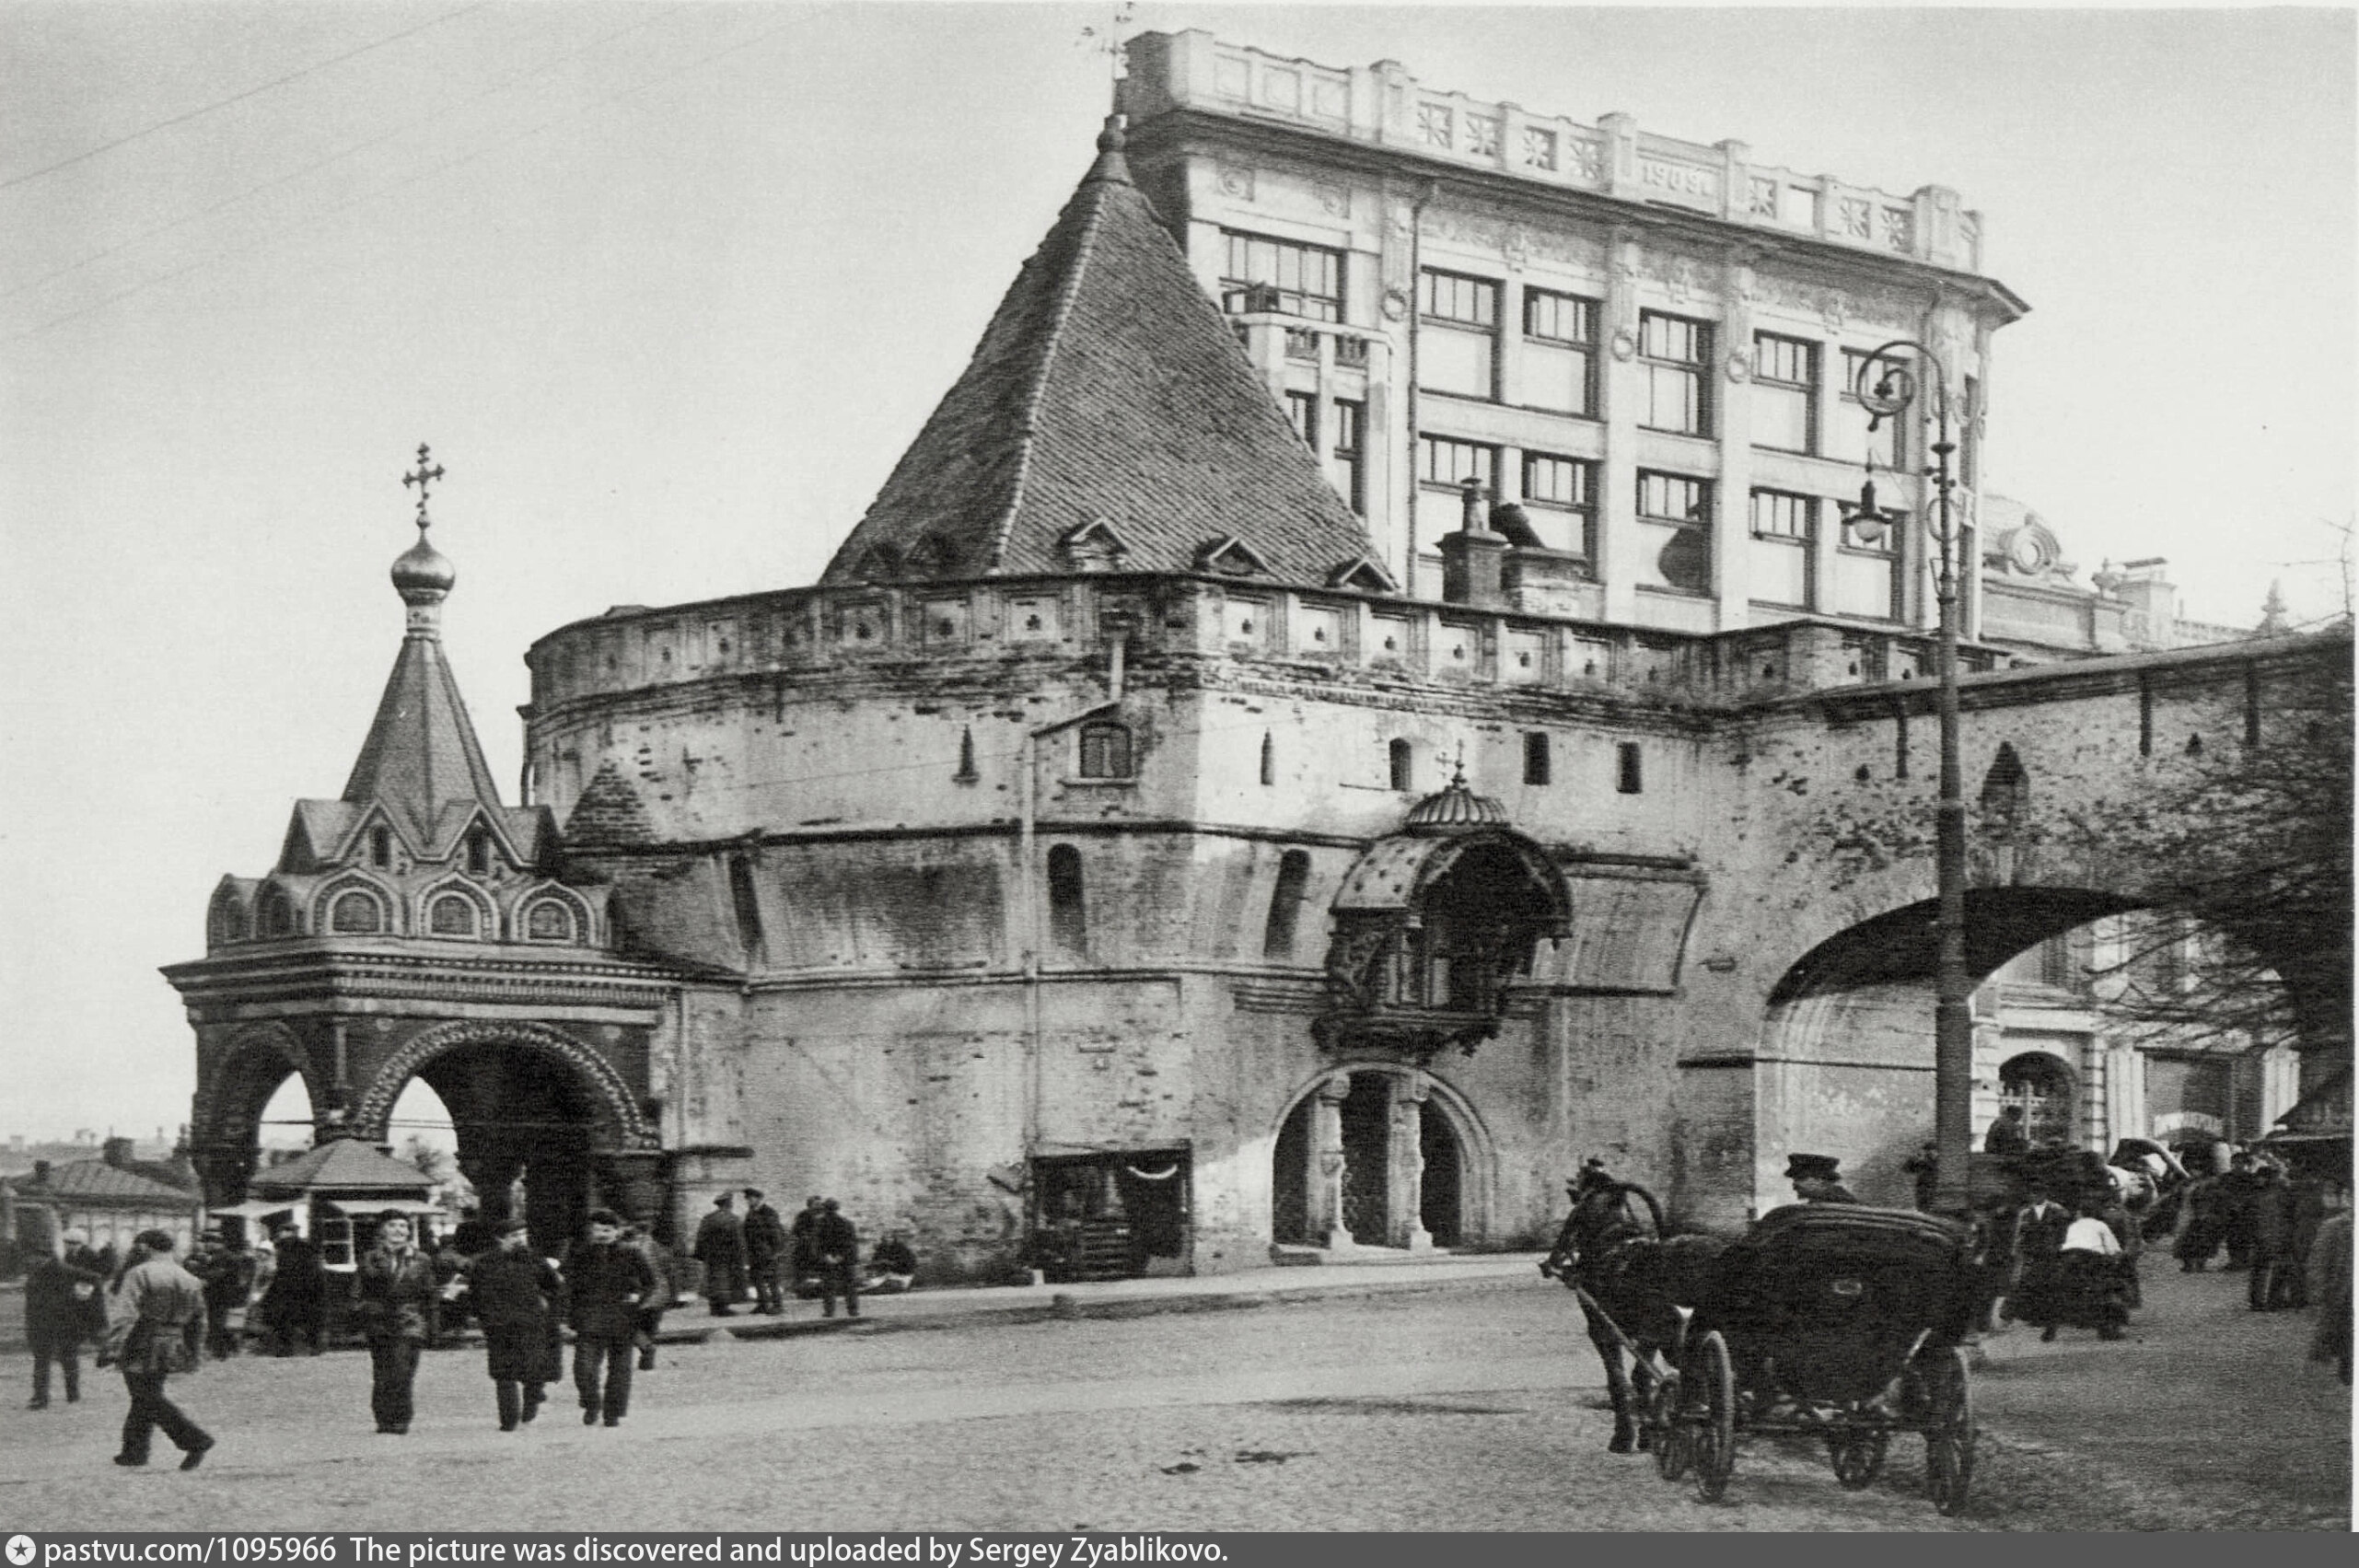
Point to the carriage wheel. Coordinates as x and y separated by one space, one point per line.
1949 1432
1858 1457
1666 1432
1714 1442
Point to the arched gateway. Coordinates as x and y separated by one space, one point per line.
416 927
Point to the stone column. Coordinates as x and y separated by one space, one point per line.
1406 1183
1327 1163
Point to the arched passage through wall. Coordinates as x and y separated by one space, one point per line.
1379 1155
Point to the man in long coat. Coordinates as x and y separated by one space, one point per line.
2038 1248
721 1247
605 1282
838 1245
58 1315
512 1294
297 1302
765 1248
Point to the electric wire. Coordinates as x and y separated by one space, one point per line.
503 84
238 98
459 161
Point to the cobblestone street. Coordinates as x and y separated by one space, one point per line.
1467 1404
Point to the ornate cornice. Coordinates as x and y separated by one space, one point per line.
311 969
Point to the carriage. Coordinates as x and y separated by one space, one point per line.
1839 1322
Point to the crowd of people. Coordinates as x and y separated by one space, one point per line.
155 1315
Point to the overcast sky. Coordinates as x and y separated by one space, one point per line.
668 288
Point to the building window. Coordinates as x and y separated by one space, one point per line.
1262 274
355 914
1302 412
1458 340
381 847
746 907
275 917
1343 467
1399 760
1675 525
1105 751
451 915
1559 352
1676 354
1628 778
1285 904
225 921
1560 497
1786 393
1068 914
1536 759
1268 760
1783 526
549 921
1855 443
479 852
1447 464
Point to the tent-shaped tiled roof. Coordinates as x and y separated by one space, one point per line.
421 753
1107 387
344 1165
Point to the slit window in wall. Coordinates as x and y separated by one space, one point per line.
966 773
1269 759
2145 717
479 852
381 847
1285 904
1399 762
1536 759
1105 751
1068 910
747 906
1629 778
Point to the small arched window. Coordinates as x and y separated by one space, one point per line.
276 915
452 915
1286 905
225 921
549 921
1068 911
1105 751
2007 792
355 914
1402 765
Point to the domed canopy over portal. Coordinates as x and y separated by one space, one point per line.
1433 923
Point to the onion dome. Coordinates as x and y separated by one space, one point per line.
1456 809
423 569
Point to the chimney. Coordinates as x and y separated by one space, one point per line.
41 1173
1471 557
116 1152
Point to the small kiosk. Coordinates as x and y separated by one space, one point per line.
332 1196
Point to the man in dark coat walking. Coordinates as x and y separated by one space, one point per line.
512 1294
721 1247
297 1301
605 1282
58 1295
765 1248
838 1246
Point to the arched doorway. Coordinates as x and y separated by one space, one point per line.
1376 1155
543 1124
2042 1087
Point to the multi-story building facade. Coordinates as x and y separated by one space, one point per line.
1129 848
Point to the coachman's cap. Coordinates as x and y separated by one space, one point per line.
1801 1166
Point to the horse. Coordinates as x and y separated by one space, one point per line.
1635 1284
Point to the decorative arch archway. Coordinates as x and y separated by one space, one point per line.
613 1096
1374 1153
235 1083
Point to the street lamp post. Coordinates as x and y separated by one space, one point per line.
1887 387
